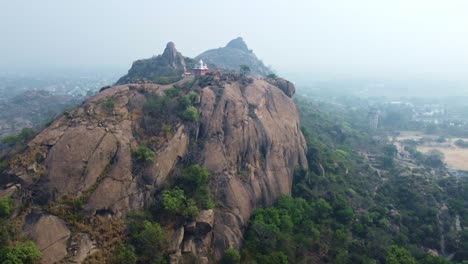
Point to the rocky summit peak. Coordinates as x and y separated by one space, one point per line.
238 43
170 52
234 54
162 69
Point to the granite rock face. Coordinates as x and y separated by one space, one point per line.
248 136
50 235
252 143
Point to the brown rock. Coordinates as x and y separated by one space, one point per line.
50 235
204 221
286 86
255 127
176 240
83 247
248 137
189 246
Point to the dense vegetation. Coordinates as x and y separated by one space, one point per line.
14 250
346 208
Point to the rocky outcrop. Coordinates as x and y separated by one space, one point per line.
248 136
234 54
88 153
166 68
50 235
81 247
251 143
284 85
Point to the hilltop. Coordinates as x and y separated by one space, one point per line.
166 68
140 146
234 54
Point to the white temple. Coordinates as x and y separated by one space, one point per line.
200 66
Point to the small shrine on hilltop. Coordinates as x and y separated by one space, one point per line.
200 68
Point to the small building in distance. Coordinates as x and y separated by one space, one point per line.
200 68
373 118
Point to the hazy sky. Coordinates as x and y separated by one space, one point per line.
399 38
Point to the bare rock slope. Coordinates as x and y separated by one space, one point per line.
248 136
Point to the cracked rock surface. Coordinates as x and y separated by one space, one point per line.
248 136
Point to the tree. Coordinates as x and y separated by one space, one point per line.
399 255
244 69
435 159
144 154
6 205
196 174
124 254
21 253
231 256
272 76
190 114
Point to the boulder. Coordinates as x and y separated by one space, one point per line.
204 222
189 246
81 247
286 86
50 234
176 240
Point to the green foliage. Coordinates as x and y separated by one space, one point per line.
190 114
435 159
173 200
244 69
108 104
272 76
231 256
166 129
124 254
399 255
145 155
147 238
196 174
20 253
6 206
18 140
172 92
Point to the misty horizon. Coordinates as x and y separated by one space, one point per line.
362 39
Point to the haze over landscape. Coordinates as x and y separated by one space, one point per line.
253 132
334 39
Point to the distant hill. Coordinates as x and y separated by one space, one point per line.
162 69
234 54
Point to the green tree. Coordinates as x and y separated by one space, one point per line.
399 255
231 256
144 154
190 114
196 174
20 253
244 69
124 254
173 200
272 76
6 206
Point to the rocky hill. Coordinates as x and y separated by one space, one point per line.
87 165
163 69
234 54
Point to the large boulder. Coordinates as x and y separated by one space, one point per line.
286 86
50 234
252 144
